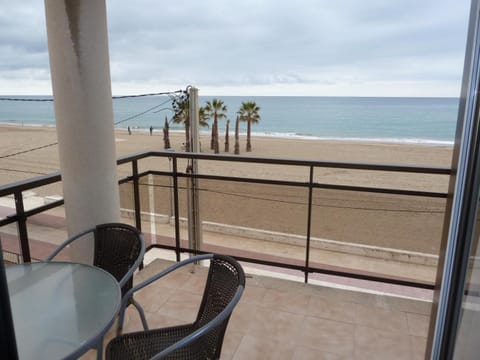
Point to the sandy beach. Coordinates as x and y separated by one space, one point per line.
400 222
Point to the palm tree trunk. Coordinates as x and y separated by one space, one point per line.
249 144
237 143
166 135
187 136
216 148
212 140
227 142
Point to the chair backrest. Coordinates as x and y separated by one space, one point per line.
117 247
225 276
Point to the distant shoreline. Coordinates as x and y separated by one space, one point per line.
274 135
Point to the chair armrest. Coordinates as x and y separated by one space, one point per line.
205 328
136 264
162 273
67 242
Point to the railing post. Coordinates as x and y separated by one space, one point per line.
136 195
175 209
8 344
309 225
22 227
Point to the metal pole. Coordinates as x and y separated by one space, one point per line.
22 227
309 225
194 222
151 205
175 201
8 344
136 196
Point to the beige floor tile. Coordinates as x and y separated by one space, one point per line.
274 324
379 318
196 282
242 316
373 344
421 307
418 345
253 294
303 353
327 335
182 305
152 297
418 324
289 301
175 279
261 348
231 342
332 309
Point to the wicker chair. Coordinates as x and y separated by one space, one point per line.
118 249
204 337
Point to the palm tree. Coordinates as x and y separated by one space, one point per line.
203 117
249 112
215 109
182 115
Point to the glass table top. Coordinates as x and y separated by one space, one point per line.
60 309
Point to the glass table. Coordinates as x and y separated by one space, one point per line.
60 310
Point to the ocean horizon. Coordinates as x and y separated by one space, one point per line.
428 121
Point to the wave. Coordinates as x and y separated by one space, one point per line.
396 140
273 134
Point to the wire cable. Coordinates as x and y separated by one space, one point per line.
290 202
171 94
113 97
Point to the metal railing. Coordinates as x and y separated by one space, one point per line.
21 215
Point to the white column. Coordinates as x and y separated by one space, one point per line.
79 63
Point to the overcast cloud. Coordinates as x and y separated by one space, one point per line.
255 47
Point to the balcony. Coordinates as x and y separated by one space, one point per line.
284 319
311 291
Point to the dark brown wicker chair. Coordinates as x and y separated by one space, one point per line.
118 249
204 337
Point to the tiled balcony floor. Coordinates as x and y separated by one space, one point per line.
283 319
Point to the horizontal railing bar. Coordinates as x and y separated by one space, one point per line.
39 209
305 184
380 190
358 276
28 184
8 220
292 162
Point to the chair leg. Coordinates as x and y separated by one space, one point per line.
141 313
100 349
121 317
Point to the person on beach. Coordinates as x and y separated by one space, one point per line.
129 131
151 130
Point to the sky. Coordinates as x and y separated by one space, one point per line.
257 47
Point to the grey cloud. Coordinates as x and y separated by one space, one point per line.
258 42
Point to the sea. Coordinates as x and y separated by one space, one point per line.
429 121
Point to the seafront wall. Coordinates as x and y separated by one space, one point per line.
298 240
